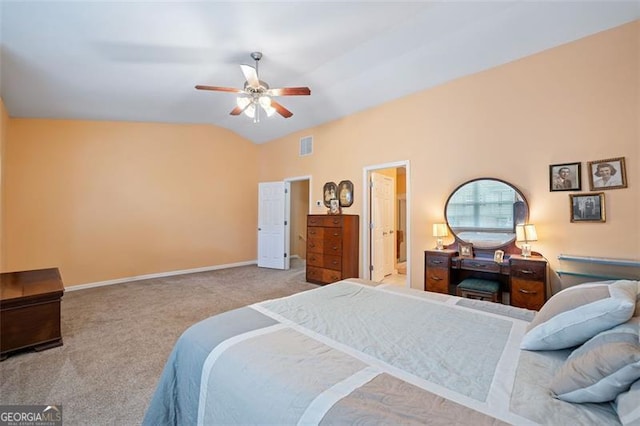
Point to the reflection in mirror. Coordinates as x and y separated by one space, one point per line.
485 211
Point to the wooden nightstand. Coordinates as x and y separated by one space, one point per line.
30 310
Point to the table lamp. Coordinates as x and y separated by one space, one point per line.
524 234
439 231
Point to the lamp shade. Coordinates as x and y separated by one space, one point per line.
526 233
440 230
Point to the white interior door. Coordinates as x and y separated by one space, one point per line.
382 236
273 225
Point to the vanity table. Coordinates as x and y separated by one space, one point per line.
522 278
482 213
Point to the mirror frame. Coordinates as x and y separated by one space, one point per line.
511 241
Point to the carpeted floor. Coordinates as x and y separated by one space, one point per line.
117 339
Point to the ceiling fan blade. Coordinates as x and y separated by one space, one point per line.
251 75
289 91
237 110
219 89
281 110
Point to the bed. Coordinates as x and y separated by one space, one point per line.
357 352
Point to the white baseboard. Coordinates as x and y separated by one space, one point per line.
159 275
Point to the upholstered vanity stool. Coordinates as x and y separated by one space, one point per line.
476 288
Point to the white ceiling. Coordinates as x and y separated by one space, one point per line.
140 60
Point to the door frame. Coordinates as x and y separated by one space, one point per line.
365 272
288 207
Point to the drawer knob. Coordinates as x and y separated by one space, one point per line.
335 248
311 245
436 262
335 262
526 271
436 278
523 291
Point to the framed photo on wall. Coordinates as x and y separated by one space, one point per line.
607 174
565 177
587 207
330 191
345 193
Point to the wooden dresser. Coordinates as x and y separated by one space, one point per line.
332 248
523 278
30 310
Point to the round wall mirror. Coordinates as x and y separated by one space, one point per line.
485 212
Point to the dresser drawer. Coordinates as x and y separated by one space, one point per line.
319 232
322 275
443 262
437 280
480 265
527 294
324 261
332 246
325 221
528 270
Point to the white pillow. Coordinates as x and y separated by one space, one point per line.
602 368
576 314
637 313
627 406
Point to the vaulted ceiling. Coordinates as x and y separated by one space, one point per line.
140 60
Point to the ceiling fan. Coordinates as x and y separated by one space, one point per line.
257 95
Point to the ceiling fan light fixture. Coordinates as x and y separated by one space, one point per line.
265 102
269 110
251 111
243 101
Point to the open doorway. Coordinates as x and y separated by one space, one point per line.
386 234
282 219
300 204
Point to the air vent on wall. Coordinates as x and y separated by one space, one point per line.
306 146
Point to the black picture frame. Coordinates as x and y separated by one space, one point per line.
565 177
600 180
330 192
345 193
587 207
466 249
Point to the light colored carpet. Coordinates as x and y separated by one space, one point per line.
117 339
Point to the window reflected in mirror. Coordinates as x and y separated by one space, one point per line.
485 212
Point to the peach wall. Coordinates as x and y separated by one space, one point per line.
4 124
574 103
107 200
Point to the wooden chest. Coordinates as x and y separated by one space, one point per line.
30 310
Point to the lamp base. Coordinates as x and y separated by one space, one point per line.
526 250
439 244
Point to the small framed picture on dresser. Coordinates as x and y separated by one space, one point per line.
466 249
498 256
